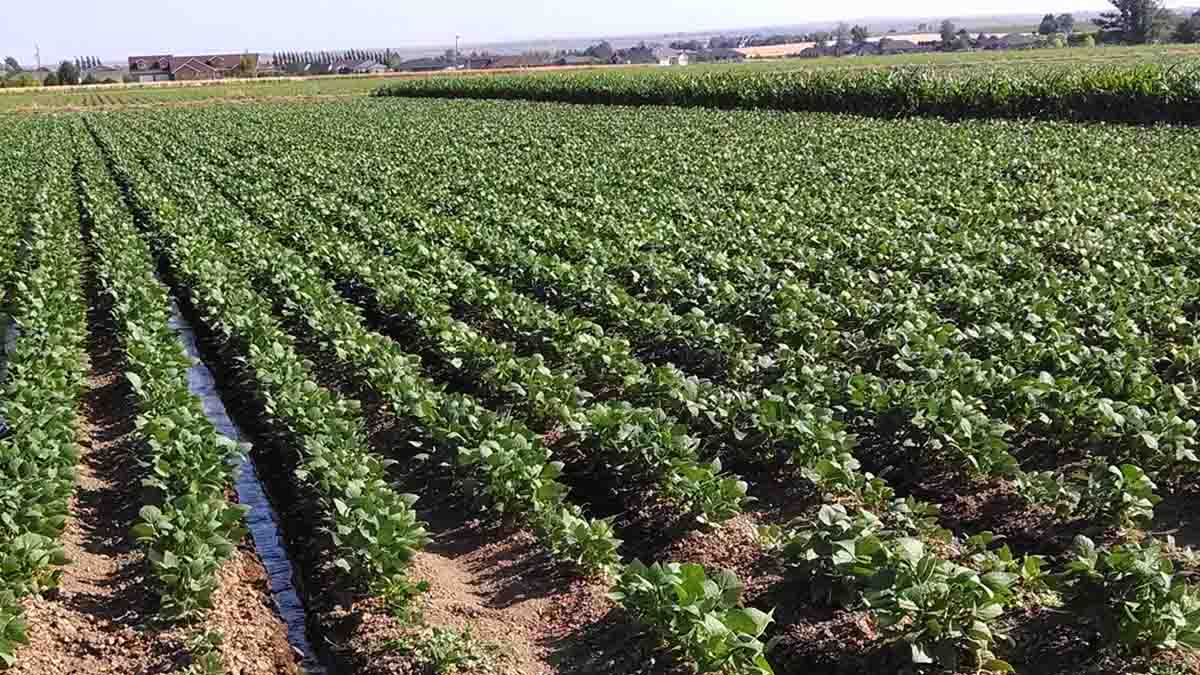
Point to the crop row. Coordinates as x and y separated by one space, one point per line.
976 593
44 379
1153 414
645 440
987 313
187 527
516 469
635 577
374 529
649 591
515 466
821 452
606 428
1145 94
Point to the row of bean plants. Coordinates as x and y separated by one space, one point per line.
638 577
733 645
189 528
516 469
645 440
1014 299
373 528
44 380
962 420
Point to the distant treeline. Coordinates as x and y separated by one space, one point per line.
328 57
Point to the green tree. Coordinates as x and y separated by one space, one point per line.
842 34
603 51
21 79
51 80
1188 30
11 65
1066 23
859 34
1135 21
248 64
90 79
68 73
949 32
1049 25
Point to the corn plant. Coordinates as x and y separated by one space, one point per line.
1143 93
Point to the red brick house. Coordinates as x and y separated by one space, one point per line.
154 68
165 67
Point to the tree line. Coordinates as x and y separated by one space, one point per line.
1146 21
74 71
328 57
1133 22
1129 22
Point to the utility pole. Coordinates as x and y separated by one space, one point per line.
457 37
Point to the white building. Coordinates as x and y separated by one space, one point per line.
670 57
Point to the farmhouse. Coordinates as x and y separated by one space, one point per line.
167 67
356 67
574 60
425 64
477 62
371 66
104 72
864 49
670 57
895 46
1019 41
520 61
723 56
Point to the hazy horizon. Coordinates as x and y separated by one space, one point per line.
113 31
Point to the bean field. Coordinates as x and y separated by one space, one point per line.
545 388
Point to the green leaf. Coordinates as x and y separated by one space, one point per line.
748 620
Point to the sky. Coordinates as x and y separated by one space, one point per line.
111 29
